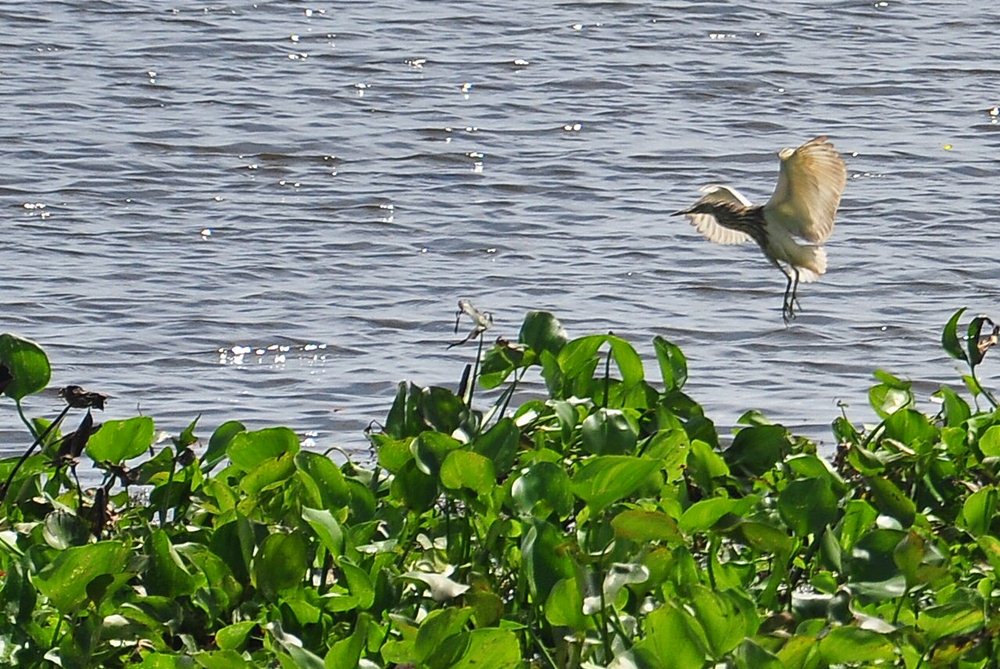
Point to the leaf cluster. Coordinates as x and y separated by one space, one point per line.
603 522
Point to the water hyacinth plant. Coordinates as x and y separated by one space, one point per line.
604 524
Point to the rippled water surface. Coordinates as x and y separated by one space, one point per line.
268 211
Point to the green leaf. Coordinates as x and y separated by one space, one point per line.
218 443
703 514
499 444
66 580
646 526
608 432
727 617
465 469
605 479
490 648
347 652
544 553
430 449
27 364
542 490
359 583
989 442
972 340
564 605
891 501
949 337
979 510
415 488
166 574
280 563
671 640
951 619
327 529
750 655
758 448
120 440
911 427
328 478
628 361
441 409
765 537
435 631
542 332
673 364
808 505
956 409
990 546
705 465
221 659
233 637
850 645
247 450
404 415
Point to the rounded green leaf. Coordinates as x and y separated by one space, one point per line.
27 364
808 505
608 431
280 563
219 441
490 648
605 479
328 478
646 526
564 605
543 489
464 469
246 450
758 448
979 510
672 640
499 444
120 440
545 559
441 409
430 449
66 580
989 443
542 332
851 645
705 513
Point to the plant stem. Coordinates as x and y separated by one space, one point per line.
27 454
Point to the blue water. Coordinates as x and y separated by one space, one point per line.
316 185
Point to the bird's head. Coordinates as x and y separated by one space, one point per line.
785 153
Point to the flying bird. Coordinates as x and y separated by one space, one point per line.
791 227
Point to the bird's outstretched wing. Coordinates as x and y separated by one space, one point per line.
810 183
707 224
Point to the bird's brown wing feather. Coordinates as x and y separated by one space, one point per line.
810 184
707 224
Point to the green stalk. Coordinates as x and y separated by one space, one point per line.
27 454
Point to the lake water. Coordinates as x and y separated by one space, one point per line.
318 184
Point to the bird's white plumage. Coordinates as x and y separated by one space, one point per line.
810 183
801 210
708 225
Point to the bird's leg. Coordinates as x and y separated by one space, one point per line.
795 289
787 310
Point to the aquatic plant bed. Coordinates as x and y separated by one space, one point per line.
605 525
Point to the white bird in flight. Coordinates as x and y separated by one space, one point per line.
802 207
